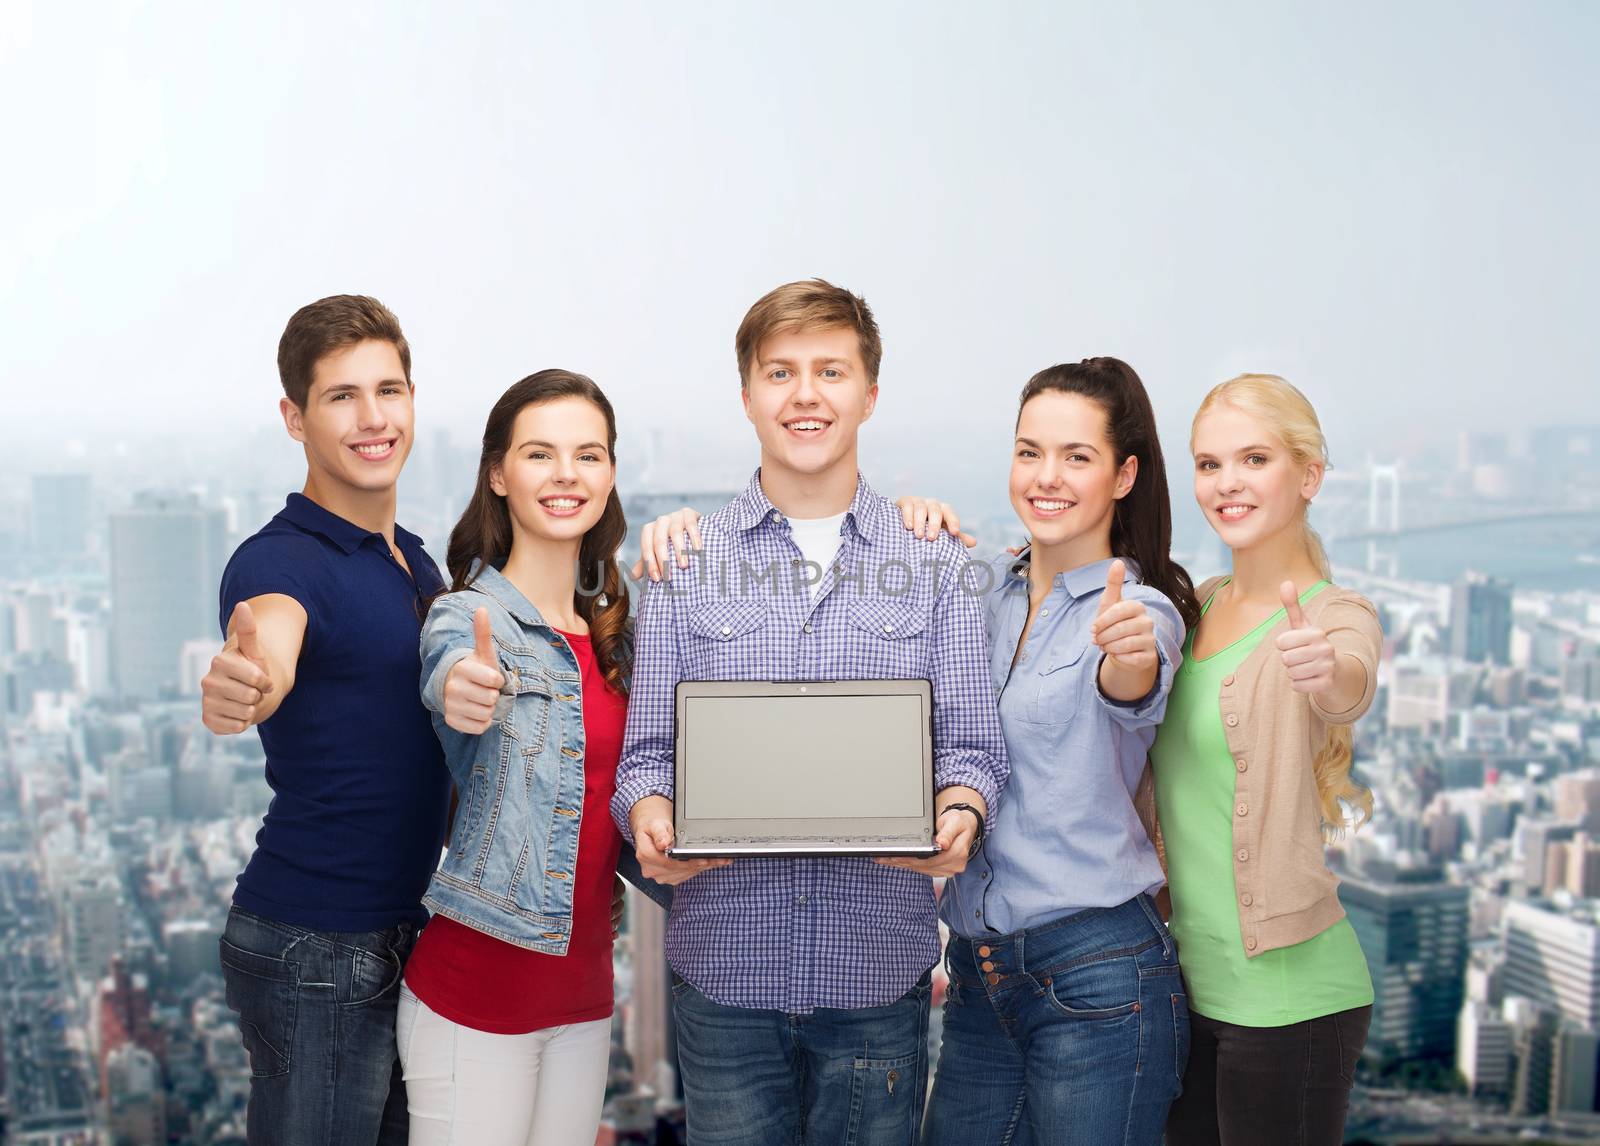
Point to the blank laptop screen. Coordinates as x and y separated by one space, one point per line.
803 757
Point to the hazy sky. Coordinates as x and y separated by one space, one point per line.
1392 204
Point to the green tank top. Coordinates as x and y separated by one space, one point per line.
1194 797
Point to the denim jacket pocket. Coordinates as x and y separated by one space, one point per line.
469 813
532 691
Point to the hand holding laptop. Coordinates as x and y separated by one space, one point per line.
651 823
956 830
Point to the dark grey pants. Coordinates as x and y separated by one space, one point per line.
1268 1086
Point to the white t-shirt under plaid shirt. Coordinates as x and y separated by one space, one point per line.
796 934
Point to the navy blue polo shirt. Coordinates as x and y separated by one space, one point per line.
359 784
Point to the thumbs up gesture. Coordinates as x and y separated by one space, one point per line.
1307 653
474 684
238 679
1124 630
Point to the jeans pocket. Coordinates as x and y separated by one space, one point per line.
373 974
884 1103
1104 989
265 993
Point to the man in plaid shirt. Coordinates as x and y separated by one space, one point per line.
802 985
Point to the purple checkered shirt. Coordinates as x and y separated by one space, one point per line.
796 934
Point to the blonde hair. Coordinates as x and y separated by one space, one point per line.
1290 415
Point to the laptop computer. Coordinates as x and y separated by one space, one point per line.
803 768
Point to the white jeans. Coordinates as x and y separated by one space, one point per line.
470 1088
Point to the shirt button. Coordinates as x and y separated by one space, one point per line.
1243 855
1044 612
1233 720
888 628
801 899
1245 899
727 630
977 915
776 516
806 628
1228 679
1239 763
1250 943
1244 809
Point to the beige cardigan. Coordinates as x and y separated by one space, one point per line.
1286 892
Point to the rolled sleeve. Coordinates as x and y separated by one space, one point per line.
1351 623
968 747
1149 709
647 763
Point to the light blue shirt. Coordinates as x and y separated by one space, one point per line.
1066 837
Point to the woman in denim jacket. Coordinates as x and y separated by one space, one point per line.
505 1014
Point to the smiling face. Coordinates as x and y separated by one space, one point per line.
1065 479
1246 481
807 394
357 421
557 472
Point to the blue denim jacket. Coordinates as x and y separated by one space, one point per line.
512 858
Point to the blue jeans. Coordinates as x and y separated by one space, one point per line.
832 1077
316 1011
1072 1033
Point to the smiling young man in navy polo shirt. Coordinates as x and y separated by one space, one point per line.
323 609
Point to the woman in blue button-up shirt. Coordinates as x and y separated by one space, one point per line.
1066 1020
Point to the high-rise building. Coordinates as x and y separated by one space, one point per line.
1572 1069
1413 929
135 1097
1535 839
1553 957
1578 798
94 924
166 564
191 946
60 514
1534 1034
1483 1049
1573 866
649 1027
1480 619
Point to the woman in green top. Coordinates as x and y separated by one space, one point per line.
1280 997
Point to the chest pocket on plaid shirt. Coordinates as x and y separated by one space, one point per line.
888 639
721 629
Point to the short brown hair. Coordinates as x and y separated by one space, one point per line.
811 304
328 325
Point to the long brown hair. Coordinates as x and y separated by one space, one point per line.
484 531
1141 523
